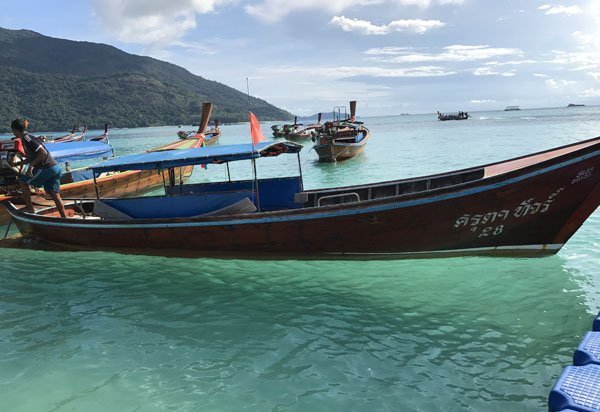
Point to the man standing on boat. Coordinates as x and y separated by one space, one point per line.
43 170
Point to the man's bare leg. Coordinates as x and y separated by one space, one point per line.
26 196
59 204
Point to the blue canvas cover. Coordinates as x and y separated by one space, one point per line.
184 157
72 151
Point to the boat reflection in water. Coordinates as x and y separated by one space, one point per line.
527 206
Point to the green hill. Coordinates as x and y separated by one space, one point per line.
57 83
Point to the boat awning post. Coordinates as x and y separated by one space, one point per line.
96 186
228 172
300 170
256 184
180 180
162 173
171 172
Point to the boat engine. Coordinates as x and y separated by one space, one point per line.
9 173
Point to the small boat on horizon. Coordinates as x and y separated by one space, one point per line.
575 105
343 138
511 108
452 116
528 206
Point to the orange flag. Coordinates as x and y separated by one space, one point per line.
257 135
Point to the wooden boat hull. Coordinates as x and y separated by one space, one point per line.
335 151
530 211
299 137
211 137
118 184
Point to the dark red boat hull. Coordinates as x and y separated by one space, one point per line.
531 211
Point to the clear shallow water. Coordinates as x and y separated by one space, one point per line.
101 331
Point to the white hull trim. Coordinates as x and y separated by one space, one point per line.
550 247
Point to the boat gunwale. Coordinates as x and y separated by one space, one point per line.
469 169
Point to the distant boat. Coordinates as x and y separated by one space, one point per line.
341 139
304 133
453 116
575 105
286 129
209 136
101 138
75 135
512 108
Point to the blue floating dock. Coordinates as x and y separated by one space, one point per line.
596 324
577 389
588 350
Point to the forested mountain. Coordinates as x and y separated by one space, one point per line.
57 83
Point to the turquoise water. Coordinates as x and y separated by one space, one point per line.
96 331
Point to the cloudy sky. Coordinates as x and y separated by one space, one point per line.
392 56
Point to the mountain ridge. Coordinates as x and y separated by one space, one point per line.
56 83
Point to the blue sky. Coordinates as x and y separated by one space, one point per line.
392 56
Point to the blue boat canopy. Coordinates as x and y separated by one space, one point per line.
72 151
167 159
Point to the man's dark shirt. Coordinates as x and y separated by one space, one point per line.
32 146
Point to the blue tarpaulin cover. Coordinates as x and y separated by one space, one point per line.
184 157
72 151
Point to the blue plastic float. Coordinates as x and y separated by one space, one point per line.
578 387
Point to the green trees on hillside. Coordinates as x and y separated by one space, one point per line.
55 84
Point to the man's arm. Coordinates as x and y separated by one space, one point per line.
40 155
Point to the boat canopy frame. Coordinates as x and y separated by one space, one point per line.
171 159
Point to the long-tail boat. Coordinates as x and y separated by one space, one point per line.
208 137
80 183
341 139
305 133
526 206
286 129
212 135
101 138
76 135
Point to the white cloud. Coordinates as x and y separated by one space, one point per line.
275 10
584 39
367 28
389 50
590 93
540 75
510 63
595 75
345 72
456 53
558 84
569 11
482 101
582 59
151 22
486 71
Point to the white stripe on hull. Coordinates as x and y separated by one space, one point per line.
550 248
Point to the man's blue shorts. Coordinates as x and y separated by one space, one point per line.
48 177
